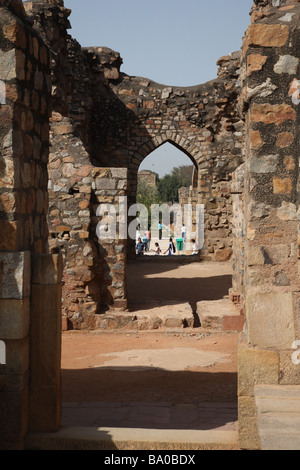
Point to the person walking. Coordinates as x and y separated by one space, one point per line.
160 228
183 232
148 235
157 249
171 248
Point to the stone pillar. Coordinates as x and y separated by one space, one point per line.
110 188
14 332
271 99
45 344
25 88
238 223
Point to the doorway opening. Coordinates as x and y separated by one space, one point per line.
167 184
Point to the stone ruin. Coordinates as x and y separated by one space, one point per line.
74 130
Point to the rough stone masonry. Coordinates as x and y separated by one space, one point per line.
70 113
103 118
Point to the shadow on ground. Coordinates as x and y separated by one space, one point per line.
152 398
144 288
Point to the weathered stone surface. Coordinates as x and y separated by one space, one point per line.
17 356
255 63
256 366
248 430
8 65
14 318
282 185
220 315
285 139
287 64
45 374
15 275
14 413
273 114
273 312
266 164
47 269
268 35
278 412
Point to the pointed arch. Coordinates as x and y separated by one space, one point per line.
181 143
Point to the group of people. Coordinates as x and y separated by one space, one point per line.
143 246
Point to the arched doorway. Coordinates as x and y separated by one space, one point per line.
167 185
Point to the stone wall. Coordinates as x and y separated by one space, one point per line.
96 149
24 147
94 267
270 99
104 118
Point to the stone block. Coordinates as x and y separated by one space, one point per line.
289 372
14 318
256 366
287 64
9 235
16 383
223 255
267 164
105 183
13 416
273 312
278 412
233 323
255 63
264 35
8 65
17 356
119 173
15 275
282 185
45 358
272 114
248 430
46 269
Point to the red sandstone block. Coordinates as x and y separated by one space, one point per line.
233 323
64 323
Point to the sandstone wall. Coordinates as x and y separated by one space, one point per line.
30 379
270 99
104 118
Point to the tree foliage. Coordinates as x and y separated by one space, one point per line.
169 185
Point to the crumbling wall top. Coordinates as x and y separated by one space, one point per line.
16 6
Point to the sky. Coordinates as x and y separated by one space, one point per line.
172 42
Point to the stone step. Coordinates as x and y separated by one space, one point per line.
156 315
220 315
278 412
92 438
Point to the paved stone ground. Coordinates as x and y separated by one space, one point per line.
160 415
167 379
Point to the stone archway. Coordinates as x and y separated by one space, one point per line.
124 121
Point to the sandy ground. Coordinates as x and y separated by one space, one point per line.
181 366
89 376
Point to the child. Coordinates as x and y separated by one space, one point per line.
195 248
140 247
157 250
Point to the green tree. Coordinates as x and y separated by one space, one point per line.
169 185
147 195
